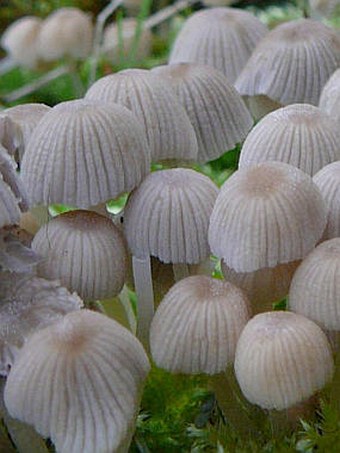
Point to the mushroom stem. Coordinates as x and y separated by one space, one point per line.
145 299
125 301
180 270
168 12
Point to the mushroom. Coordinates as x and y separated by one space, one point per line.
330 96
79 382
299 134
214 107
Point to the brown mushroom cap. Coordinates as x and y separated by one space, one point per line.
282 359
197 325
85 251
292 63
264 215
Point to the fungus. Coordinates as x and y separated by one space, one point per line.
330 96
300 134
214 107
264 215
79 382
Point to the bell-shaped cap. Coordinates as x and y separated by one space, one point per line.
292 63
215 109
167 216
328 182
315 288
85 251
167 126
223 38
28 303
197 325
300 134
20 40
84 153
264 215
282 358
9 205
330 96
66 32
79 382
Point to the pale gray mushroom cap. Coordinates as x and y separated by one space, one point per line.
330 96
28 303
282 358
223 38
216 110
315 288
328 182
20 40
9 205
292 63
264 215
85 251
66 32
197 325
10 134
79 382
167 216
300 134
84 153
167 126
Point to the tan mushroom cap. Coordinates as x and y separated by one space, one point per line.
315 288
167 216
292 63
330 96
223 38
167 126
282 359
197 325
28 303
328 182
20 40
66 32
215 109
79 382
300 134
85 251
84 153
264 215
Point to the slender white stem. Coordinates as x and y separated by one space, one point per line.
125 301
145 299
180 270
6 65
168 12
98 36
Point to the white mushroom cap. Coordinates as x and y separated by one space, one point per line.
215 109
292 63
167 216
300 134
28 303
66 32
330 96
85 251
197 325
20 40
84 153
79 382
282 359
264 215
223 38
328 182
167 126
315 288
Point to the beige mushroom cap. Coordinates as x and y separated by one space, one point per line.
85 251
79 382
292 63
315 288
20 40
167 216
299 134
215 109
197 325
167 126
264 215
66 32
83 153
223 38
330 96
282 359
